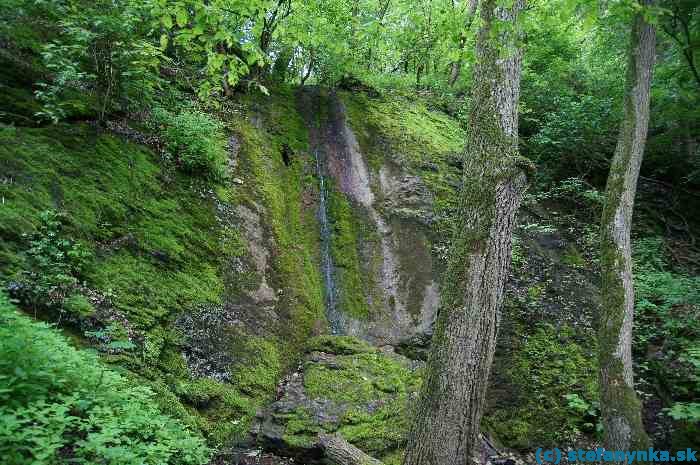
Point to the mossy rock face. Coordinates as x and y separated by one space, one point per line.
381 209
215 283
344 386
545 369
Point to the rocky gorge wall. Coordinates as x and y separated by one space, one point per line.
383 270
394 171
220 289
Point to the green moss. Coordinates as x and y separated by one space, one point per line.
284 191
149 293
413 132
548 366
222 413
370 388
158 251
394 457
258 367
424 142
301 430
341 345
345 234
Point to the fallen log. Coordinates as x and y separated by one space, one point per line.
340 452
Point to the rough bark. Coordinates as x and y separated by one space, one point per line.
340 452
446 426
621 410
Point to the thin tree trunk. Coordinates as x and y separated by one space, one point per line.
621 410
446 426
456 67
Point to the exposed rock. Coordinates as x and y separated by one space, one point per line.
206 344
347 387
546 346
234 147
393 209
406 196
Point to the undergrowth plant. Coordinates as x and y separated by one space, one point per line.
195 139
55 265
59 405
667 329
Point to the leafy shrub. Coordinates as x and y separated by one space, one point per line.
77 304
59 405
195 139
576 138
667 306
575 191
55 265
99 50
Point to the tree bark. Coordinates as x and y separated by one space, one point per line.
621 409
446 425
340 452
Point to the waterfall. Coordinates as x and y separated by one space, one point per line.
334 316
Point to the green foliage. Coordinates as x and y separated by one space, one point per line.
55 266
217 32
555 381
59 405
586 121
517 252
196 140
667 305
100 47
687 411
77 304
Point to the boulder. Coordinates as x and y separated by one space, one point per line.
344 386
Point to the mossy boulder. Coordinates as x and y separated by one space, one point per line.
346 386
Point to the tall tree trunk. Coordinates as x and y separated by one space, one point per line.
621 410
446 426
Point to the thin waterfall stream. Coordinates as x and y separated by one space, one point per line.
333 314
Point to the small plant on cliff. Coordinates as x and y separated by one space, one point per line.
195 139
55 264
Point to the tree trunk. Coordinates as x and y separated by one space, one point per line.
340 452
621 410
446 425
456 67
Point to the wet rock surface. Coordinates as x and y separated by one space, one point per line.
393 210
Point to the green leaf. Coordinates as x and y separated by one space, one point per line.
167 21
181 17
